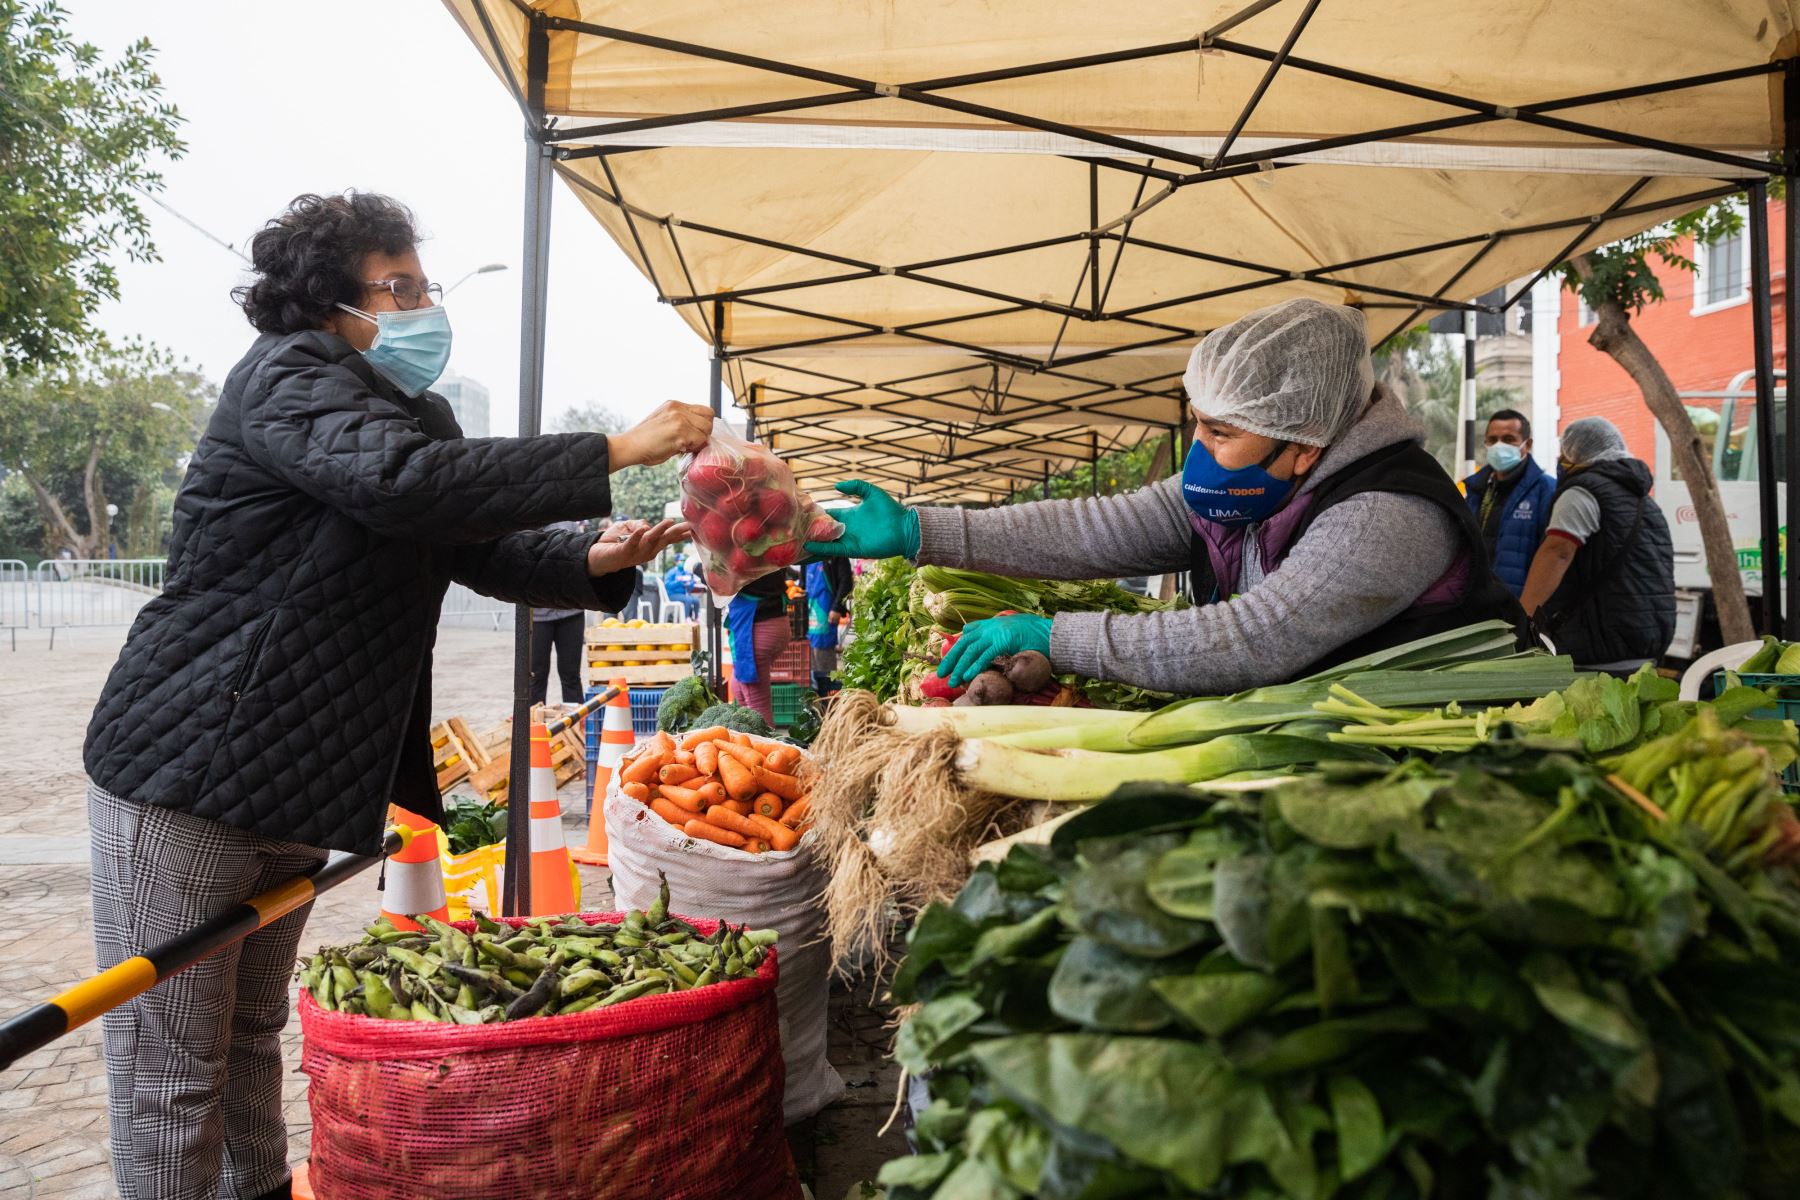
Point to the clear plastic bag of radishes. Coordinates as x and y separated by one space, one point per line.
748 515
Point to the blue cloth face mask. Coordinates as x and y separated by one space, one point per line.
412 346
1225 496
1504 456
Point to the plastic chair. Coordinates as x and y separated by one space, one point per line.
1703 668
675 607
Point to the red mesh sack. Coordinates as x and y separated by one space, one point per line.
673 1097
749 516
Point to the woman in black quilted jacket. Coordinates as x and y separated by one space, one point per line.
276 697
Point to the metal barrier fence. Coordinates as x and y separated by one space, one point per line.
77 593
66 593
15 597
465 606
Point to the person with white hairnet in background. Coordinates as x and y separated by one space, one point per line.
1314 524
1602 584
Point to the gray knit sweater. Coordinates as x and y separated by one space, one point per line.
1361 563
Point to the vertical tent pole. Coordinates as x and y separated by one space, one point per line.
715 632
1465 422
1790 319
1763 333
533 291
1093 464
1046 479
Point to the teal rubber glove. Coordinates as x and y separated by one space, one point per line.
984 641
878 527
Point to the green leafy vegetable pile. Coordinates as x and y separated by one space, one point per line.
1495 975
900 616
470 824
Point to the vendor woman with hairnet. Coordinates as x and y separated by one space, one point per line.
1314 524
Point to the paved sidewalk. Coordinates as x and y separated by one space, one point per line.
53 1103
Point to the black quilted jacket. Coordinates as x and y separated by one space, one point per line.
281 683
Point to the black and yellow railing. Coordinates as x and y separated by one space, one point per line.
42 1024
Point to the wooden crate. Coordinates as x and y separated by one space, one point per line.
455 753
617 652
491 779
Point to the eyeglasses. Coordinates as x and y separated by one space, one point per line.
406 292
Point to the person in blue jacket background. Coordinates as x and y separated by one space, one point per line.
1510 498
828 585
678 584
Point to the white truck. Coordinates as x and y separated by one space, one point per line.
1726 421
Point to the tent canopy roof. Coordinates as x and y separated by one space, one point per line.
955 242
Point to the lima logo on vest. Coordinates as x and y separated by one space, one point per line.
1523 512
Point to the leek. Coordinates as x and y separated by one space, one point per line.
1086 775
1506 679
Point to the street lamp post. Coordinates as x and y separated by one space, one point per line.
487 270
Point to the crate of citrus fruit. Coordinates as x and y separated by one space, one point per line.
640 652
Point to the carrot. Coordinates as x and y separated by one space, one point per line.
748 755
662 743
779 835
796 812
785 786
696 828
757 846
783 759
739 780
706 758
740 739
637 791
724 818
740 807
668 812
682 797
713 792
644 769
695 737
768 805
676 773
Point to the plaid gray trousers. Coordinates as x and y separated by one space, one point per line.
193 1065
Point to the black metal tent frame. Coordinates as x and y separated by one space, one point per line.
984 441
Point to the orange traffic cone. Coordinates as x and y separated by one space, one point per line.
552 877
414 881
615 742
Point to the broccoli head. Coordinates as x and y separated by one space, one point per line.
681 703
735 718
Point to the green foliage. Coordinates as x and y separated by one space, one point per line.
1425 370
734 717
640 492
1117 472
1624 273
109 427
685 700
881 625
77 136
1493 976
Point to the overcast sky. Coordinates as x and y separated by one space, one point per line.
388 96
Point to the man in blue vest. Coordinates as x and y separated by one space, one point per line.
1510 498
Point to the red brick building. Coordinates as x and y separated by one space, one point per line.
1700 332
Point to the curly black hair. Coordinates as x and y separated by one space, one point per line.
308 260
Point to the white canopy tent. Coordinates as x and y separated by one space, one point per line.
954 246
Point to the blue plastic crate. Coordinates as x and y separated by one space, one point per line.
645 702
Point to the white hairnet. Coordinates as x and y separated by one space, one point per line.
1592 440
1298 371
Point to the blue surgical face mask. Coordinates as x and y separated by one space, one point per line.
412 346
1504 456
1225 496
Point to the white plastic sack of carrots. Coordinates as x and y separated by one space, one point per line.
776 889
